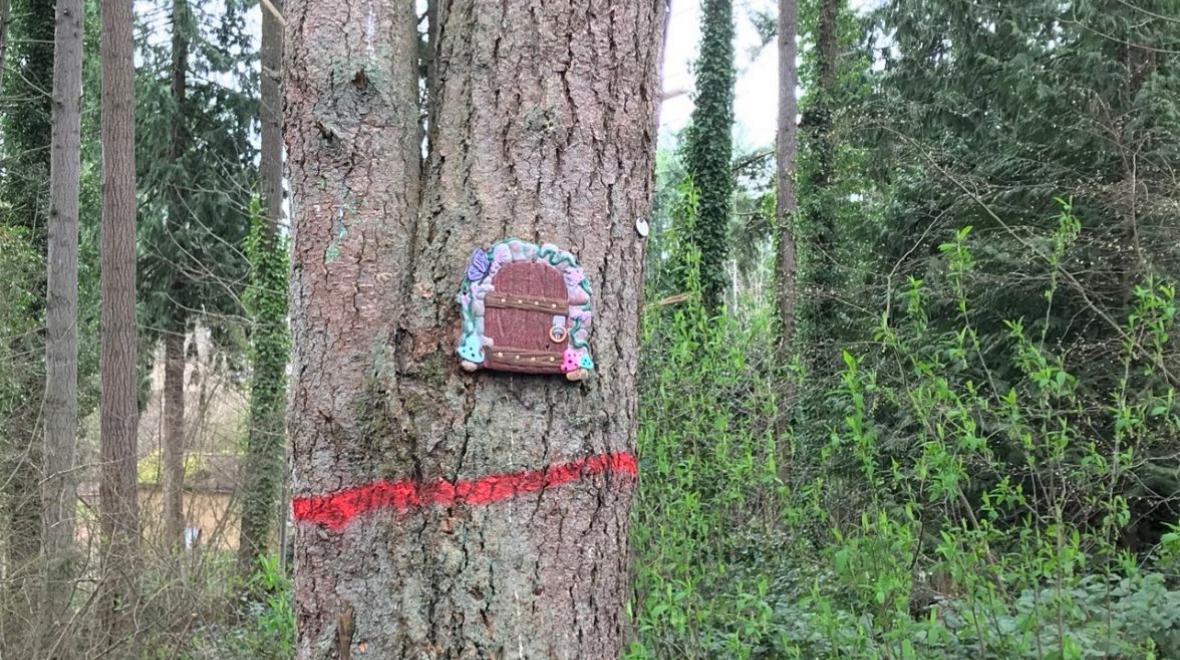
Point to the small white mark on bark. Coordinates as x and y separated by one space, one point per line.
642 228
519 637
370 30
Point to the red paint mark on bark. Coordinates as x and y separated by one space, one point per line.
336 510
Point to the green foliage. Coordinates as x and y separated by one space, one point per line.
270 614
20 266
261 626
25 184
983 114
266 304
194 209
709 148
947 516
709 496
24 213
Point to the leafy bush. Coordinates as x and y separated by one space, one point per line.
951 513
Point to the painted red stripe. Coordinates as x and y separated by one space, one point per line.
336 510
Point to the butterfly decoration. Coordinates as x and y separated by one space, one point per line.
479 266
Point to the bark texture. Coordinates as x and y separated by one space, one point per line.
786 202
118 410
58 486
544 128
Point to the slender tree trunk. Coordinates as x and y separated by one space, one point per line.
545 128
58 487
271 115
174 358
5 23
172 447
786 204
118 407
263 468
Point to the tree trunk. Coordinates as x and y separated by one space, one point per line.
823 274
262 473
709 150
5 23
271 115
545 128
58 487
786 204
118 407
172 448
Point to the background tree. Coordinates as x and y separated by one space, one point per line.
262 471
709 148
58 487
786 152
374 278
822 275
119 408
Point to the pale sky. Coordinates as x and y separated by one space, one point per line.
755 91
755 107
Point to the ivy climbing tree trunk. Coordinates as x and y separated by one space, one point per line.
118 407
709 149
262 472
822 280
58 486
544 129
172 449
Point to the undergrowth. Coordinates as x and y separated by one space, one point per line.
948 515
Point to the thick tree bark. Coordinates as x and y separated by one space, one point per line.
118 408
263 469
172 447
544 129
786 204
58 486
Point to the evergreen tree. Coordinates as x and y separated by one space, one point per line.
196 113
59 496
709 148
119 414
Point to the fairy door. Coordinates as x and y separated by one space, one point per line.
526 318
525 308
